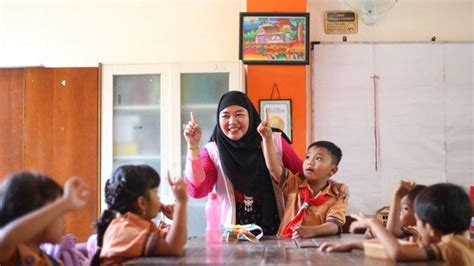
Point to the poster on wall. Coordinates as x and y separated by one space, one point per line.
279 114
274 38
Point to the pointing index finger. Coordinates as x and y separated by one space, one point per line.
267 116
193 119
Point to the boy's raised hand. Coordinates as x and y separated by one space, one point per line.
192 132
404 188
264 128
76 192
179 188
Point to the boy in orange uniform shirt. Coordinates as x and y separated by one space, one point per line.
312 209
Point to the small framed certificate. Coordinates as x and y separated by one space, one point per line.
279 114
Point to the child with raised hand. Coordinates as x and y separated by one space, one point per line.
125 230
312 208
32 207
443 214
401 220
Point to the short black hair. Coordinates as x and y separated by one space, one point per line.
25 192
334 150
446 207
414 192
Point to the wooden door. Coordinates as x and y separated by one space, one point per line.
61 132
11 120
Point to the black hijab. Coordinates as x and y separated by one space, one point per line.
242 160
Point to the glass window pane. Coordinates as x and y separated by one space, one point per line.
136 132
200 93
136 120
136 90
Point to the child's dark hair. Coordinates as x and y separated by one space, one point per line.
127 183
25 192
334 150
414 192
446 207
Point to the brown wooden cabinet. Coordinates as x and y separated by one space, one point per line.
11 120
50 124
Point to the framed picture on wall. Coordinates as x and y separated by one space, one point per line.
274 38
279 114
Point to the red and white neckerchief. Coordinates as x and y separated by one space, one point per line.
305 195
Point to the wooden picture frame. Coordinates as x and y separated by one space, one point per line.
274 38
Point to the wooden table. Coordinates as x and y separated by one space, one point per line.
269 250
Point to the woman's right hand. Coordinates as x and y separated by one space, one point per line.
192 132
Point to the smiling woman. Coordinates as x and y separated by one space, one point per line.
234 121
232 164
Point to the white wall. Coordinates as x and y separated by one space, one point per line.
86 32
424 115
408 20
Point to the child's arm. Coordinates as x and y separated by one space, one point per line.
341 247
177 234
391 245
32 224
327 228
368 234
271 160
394 224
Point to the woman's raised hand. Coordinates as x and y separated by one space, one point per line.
264 128
192 132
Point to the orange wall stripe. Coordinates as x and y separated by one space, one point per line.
276 5
291 79
291 82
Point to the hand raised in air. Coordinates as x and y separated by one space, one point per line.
192 132
76 192
179 188
264 129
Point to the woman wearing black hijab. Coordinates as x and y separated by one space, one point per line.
232 164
